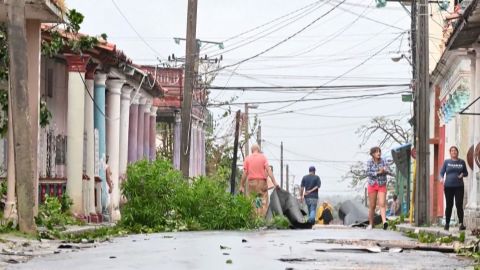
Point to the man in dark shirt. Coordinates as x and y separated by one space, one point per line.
309 191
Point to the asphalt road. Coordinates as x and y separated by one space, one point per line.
326 248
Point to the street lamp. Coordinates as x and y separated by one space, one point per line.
398 57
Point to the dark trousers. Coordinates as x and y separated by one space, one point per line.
452 193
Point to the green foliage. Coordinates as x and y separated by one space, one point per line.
100 234
51 216
279 223
426 237
461 238
45 114
75 42
160 199
75 18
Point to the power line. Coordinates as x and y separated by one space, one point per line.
278 43
270 22
332 36
341 75
135 30
256 37
305 100
370 19
303 87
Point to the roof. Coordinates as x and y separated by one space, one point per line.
108 55
42 10
465 32
467 28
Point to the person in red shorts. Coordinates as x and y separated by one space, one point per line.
377 171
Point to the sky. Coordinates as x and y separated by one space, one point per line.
307 43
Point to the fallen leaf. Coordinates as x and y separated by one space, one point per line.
229 261
224 247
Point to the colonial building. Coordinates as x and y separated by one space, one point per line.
455 110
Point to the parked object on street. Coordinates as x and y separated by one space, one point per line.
284 203
394 208
377 171
309 192
452 173
324 214
255 172
355 214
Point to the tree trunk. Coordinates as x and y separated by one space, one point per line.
22 129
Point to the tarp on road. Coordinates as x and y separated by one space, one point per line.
283 203
354 213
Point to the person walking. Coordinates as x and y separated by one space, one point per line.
309 192
255 171
377 171
452 173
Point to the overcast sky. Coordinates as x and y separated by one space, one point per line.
353 44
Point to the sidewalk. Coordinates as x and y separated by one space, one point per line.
16 248
439 231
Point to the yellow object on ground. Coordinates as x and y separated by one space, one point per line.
320 211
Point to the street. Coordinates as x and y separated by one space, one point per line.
288 249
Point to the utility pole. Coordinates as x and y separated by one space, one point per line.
286 178
190 78
422 114
245 130
235 153
281 164
259 134
22 129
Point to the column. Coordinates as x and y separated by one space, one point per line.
99 97
114 87
177 134
202 147
475 187
34 54
75 129
192 149
153 133
472 179
124 126
472 213
132 130
146 132
140 127
10 212
90 130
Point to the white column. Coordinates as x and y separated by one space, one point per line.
10 212
476 132
141 127
153 133
75 130
177 134
202 146
124 124
90 133
33 52
193 147
472 191
197 149
113 141
146 130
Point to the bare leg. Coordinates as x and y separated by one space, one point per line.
381 203
372 204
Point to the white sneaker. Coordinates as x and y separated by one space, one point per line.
369 227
